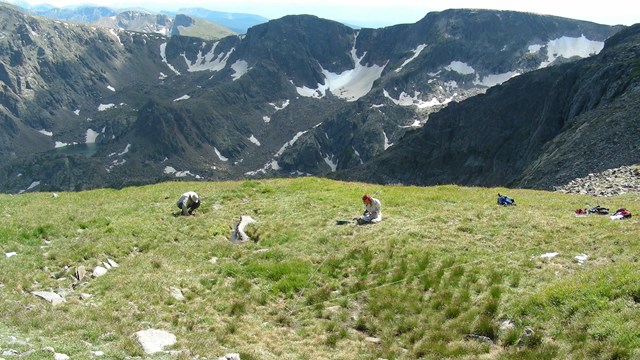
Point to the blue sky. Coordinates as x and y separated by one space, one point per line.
384 12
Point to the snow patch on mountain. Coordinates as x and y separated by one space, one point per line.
163 54
318 92
416 124
271 165
126 150
59 144
350 85
387 144
405 100
183 97
115 163
353 84
329 160
169 170
488 80
357 154
534 48
495 79
460 67
450 85
416 52
33 184
114 33
568 47
91 136
240 67
103 107
254 140
208 61
281 107
290 142
220 155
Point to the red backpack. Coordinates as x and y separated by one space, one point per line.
624 212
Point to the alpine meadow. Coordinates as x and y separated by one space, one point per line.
448 273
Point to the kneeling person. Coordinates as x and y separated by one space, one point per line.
372 210
188 202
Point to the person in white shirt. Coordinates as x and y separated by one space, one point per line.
188 202
372 210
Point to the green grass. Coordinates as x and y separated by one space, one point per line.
435 279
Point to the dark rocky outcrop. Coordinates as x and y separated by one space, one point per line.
539 130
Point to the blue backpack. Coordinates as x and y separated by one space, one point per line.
505 200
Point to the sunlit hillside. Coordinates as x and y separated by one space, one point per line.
447 273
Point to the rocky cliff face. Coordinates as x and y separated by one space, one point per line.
538 130
137 21
295 96
50 71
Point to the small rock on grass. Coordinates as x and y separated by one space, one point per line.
153 341
49 296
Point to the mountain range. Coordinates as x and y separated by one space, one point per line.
195 22
474 97
539 130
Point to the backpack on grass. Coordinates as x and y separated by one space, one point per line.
624 213
599 210
504 200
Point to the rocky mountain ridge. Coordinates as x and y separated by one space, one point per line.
141 20
236 22
84 107
539 130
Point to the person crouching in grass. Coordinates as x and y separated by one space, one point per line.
372 210
188 203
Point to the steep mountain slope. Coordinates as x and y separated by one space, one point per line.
538 130
294 96
54 76
401 74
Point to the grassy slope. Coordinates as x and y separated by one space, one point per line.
441 272
205 29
